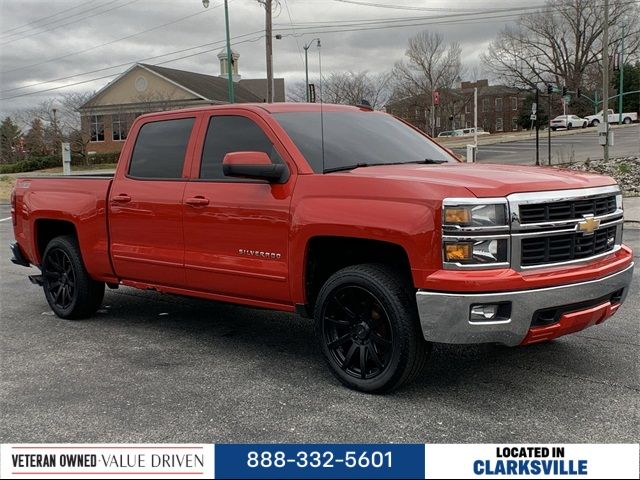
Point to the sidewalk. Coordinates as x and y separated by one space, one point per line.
632 212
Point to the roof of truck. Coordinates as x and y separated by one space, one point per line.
270 107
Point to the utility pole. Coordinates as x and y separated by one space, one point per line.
605 79
537 127
269 32
621 88
549 131
475 119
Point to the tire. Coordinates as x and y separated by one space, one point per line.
584 124
70 291
569 126
595 122
626 120
368 312
553 129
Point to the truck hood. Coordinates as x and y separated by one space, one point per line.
487 180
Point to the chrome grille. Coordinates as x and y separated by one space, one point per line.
545 212
563 248
548 228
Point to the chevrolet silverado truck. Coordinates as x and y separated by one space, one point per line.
342 214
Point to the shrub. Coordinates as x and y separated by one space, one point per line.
35 163
100 158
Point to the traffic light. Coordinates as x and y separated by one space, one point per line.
549 88
564 91
578 93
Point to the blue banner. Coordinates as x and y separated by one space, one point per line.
318 461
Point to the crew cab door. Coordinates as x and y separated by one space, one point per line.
236 230
145 202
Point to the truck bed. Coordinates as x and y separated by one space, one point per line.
59 202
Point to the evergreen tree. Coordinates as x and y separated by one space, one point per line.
10 141
34 140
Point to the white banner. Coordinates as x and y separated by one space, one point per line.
532 461
106 461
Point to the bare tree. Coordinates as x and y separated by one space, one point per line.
561 43
349 88
431 64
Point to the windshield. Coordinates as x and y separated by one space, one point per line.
357 138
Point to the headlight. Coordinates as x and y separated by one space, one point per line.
475 233
481 215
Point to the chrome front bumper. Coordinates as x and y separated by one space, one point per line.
444 317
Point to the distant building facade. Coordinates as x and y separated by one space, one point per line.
107 117
499 108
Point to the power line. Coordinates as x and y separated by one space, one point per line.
327 28
5 33
111 67
94 14
71 54
286 4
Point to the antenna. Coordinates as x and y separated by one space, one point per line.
321 104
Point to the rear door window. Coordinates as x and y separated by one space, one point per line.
160 149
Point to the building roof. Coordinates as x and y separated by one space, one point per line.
208 86
258 86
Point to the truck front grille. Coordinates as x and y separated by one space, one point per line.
564 248
565 226
567 210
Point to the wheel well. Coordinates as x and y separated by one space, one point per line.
327 255
47 230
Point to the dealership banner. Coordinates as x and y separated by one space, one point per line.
319 461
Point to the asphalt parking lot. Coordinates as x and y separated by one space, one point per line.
154 368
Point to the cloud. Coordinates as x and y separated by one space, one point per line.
29 37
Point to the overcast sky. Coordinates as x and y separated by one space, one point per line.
44 40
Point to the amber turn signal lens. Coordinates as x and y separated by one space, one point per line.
457 251
457 215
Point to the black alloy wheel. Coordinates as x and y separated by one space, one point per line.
368 329
68 287
60 278
357 332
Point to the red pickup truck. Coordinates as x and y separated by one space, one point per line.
339 213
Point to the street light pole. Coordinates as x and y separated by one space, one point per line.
229 56
205 4
306 65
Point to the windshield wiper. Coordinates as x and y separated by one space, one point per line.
426 161
345 167
429 161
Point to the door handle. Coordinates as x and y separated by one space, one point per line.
197 201
122 198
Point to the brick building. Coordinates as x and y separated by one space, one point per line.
108 115
499 108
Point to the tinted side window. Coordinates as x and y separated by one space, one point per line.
232 134
160 149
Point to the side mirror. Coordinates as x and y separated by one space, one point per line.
256 165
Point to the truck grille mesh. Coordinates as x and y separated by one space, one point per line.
568 210
541 250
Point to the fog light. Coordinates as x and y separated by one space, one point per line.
482 313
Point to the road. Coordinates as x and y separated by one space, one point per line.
157 368
578 147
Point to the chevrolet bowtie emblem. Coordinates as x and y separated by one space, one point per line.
589 225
